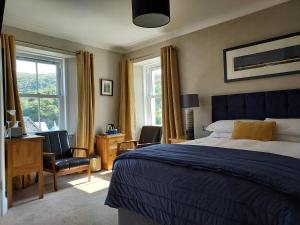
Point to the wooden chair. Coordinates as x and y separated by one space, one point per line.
150 135
58 156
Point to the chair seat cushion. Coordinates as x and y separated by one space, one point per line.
67 163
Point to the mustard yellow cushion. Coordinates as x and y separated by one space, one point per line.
261 130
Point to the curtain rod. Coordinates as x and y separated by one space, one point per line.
143 57
154 55
48 47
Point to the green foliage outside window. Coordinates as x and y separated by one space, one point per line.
157 91
49 107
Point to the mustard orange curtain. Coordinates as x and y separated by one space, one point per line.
12 95
127 110
10 77
171 112
86 102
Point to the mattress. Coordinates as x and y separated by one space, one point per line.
210 181
285 148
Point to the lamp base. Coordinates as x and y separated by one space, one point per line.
189 124
189 134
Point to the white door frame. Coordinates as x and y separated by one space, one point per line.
3 199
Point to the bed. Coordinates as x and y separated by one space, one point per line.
215 180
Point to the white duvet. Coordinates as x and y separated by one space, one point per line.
291 149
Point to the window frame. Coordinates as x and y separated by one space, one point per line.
148 91
60 77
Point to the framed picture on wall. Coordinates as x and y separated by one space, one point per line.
106 87
268 58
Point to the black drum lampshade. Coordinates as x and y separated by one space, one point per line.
2 6
150 13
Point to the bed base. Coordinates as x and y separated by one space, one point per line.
126 217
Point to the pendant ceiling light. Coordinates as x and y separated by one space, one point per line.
150 13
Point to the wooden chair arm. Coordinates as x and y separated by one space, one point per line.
130 141
147 144
49 155
81 149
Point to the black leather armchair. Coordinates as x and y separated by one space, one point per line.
58 156
150 135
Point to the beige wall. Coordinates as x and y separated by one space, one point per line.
200 61
106 66
201 55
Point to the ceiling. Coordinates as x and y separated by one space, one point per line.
107 23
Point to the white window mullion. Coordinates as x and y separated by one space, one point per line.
37 93
150 95
61 96
37 77
39 111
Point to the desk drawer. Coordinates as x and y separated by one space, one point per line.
112 154
113 142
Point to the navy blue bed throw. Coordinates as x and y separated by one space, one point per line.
201 185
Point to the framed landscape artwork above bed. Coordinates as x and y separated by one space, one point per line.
268 58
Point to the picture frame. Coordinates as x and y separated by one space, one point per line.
277 56
106 87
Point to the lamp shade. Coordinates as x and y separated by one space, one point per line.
189 101
2 6
150 13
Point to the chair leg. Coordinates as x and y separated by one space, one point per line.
89 174
55 181
36 178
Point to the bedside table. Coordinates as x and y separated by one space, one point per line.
177 140
106 147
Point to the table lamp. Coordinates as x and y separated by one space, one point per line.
188 102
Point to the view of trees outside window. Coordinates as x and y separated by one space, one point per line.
153 107
39 94
156 110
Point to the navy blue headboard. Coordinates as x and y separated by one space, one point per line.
258 105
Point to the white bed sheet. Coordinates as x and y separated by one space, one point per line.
291 149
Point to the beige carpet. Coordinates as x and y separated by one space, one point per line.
77 202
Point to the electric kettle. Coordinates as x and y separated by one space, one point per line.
110 129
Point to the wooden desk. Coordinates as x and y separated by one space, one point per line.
106 146
23 156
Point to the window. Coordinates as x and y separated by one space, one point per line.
40 87
153 107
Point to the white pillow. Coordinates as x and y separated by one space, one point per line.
287 126
223 126
220 135
290 138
